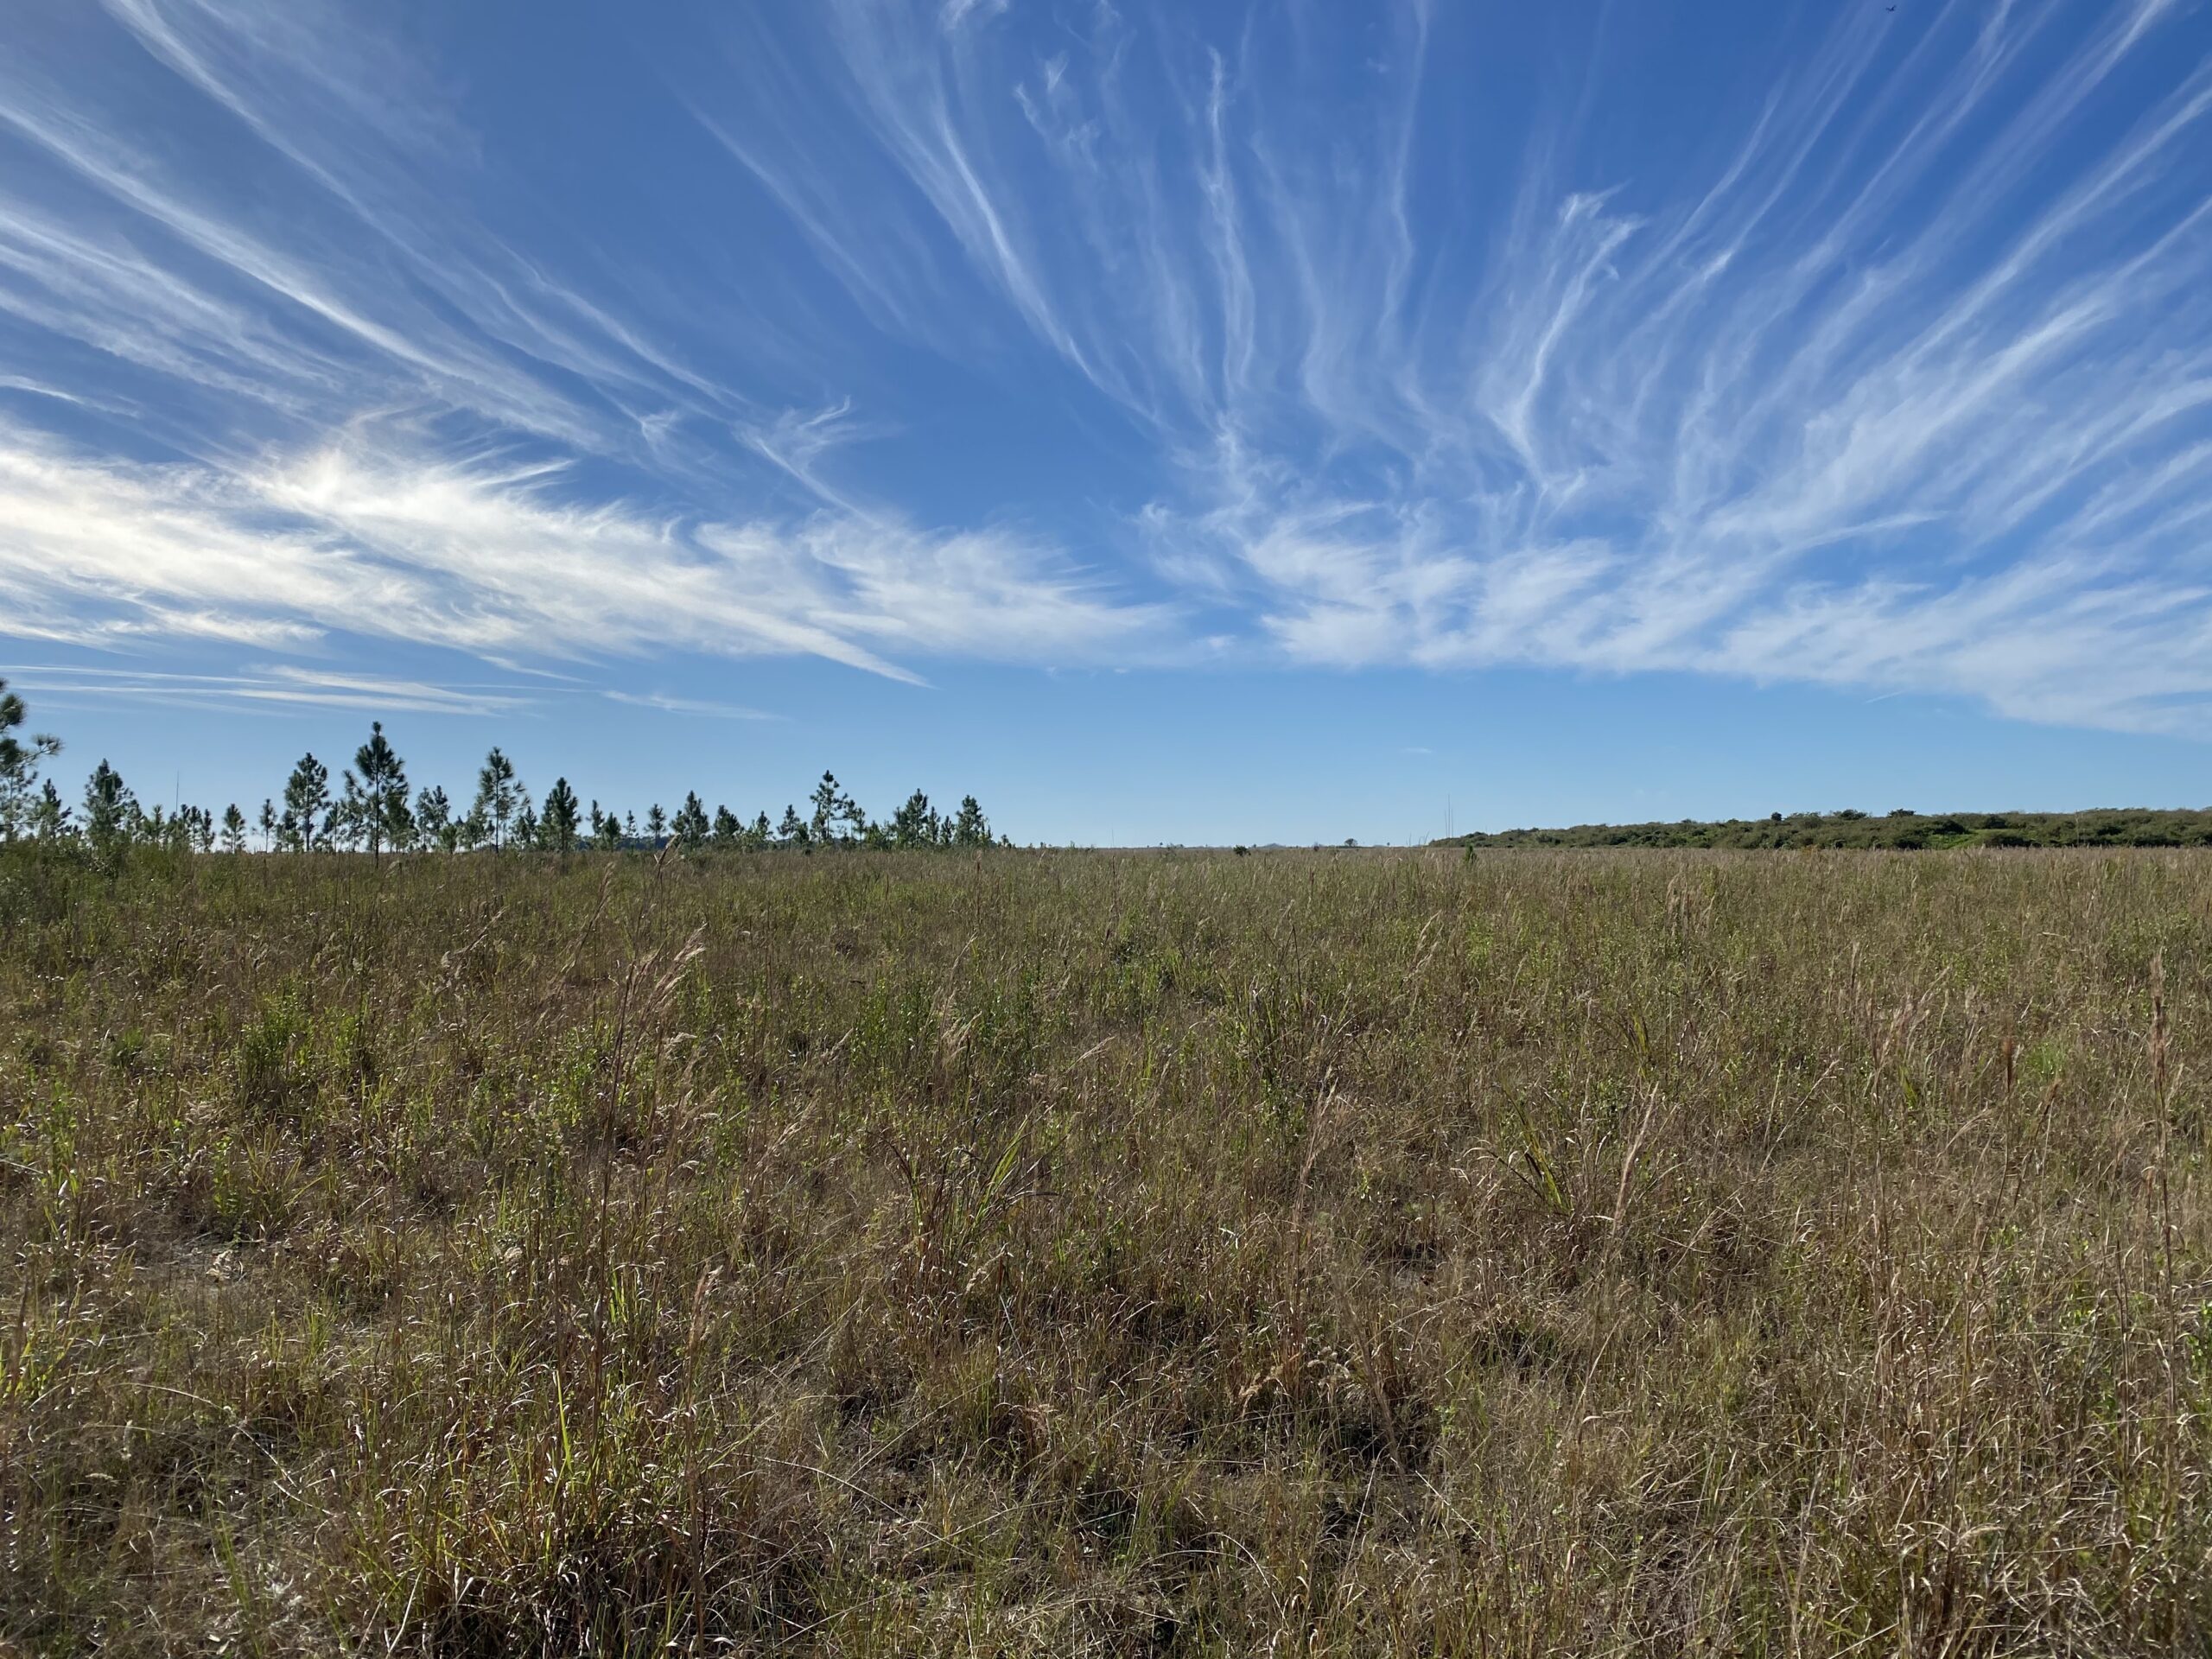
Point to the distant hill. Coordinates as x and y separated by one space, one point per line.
2101 827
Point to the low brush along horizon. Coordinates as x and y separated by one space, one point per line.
370 810
1548 1251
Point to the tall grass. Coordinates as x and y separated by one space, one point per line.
1336 1253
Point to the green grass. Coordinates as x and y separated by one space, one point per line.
1341 1252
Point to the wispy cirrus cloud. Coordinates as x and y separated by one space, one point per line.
279 683
1331 341
365 374
672 705
489 560
1907 383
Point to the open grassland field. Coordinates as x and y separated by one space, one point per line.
1348 1253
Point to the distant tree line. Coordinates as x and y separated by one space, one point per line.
1901 831
368 808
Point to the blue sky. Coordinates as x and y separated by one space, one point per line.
1177 422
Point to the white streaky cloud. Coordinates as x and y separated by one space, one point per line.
38 389
130 181
954 12
671 705
1899 377
1908 390
349 539
384 289
282 682
278 685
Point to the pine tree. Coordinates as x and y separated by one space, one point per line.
433 818
656 823
268 822
691 825
498 794
111 811
760 834
234 829
306 797
913 825
49 817
558 827
378 804
728 832
19 762
348 821
793 830
970 829
828 803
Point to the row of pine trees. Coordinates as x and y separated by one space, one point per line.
370 808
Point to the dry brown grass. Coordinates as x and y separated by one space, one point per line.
1335 1253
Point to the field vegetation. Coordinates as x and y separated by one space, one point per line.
1899 831
1892 832
994 1252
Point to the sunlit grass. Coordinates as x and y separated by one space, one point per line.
1346 1253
